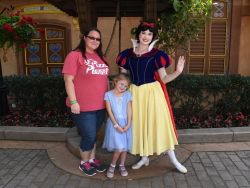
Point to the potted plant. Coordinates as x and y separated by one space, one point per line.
16 31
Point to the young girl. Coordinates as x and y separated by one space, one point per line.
118 134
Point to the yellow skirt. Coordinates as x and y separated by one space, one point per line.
152 127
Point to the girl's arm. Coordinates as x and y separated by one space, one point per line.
168 78
70 89
112 117
129 116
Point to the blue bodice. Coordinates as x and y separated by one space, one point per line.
142 68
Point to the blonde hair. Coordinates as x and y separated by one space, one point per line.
121 76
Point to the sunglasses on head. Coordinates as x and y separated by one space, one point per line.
93 38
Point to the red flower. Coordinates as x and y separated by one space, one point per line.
16 38
31 23
23 45
19 11
32 37
17 23
23 17
42 31
12 14
7 10
23 21
16 14
29 19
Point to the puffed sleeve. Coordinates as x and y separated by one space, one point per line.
162 60
106 96
122 59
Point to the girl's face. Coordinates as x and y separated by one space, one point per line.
145 37
121 85
91 41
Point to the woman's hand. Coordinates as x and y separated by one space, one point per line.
125 129
75 108
119 129
180 64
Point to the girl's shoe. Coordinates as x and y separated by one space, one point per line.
182 169
110 172
137 166
123 171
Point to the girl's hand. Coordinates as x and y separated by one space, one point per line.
125 129
119 129
180 64
75 108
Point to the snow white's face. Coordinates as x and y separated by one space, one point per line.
146 37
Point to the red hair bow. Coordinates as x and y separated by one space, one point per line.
146 24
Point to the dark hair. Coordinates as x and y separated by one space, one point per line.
82 46
145 28
121 76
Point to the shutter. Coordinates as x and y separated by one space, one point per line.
197 54
211 53
218 36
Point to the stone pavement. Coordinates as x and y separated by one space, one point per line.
32 168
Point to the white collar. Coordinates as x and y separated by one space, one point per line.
135 44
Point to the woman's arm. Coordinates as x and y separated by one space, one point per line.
129 116
70 90
112 117
124 70
168 78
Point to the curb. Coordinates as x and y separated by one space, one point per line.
55 134
186 136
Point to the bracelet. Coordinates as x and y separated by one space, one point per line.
73 102
116 125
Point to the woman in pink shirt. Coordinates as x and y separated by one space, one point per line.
86 81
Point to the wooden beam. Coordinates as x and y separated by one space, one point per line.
235 36
150 11
84 11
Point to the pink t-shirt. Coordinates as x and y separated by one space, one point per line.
91 79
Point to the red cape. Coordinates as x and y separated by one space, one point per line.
164 88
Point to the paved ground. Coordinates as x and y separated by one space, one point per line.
32 168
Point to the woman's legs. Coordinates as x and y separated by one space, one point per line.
144 161
88 123
173 159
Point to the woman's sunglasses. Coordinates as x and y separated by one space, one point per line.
93 38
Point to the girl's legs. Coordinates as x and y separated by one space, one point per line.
116 156
122 167
123 157
111 170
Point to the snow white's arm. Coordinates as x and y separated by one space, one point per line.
165 78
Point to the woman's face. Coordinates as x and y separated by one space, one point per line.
145 37
91 42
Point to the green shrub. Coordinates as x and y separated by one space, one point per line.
229 93
194 93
